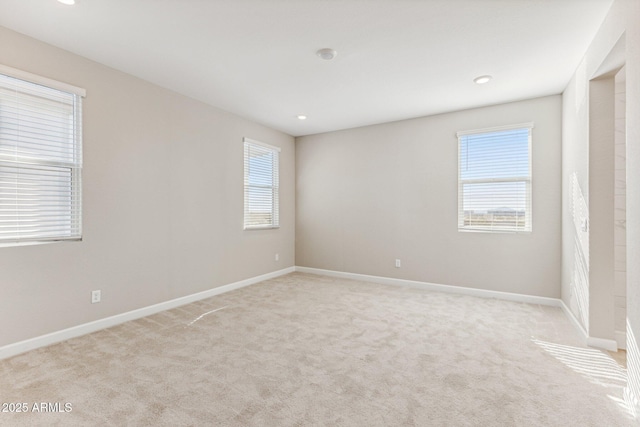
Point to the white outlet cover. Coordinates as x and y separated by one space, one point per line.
95 296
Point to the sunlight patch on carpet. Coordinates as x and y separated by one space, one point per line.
206 314
596 366
593 364
632 391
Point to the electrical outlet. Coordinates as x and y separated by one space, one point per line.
398 264
95 296
277 257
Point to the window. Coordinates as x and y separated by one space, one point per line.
494 179
40 159
261 190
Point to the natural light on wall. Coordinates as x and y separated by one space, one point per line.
494 179
579 297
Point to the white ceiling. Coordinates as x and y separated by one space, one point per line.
397 59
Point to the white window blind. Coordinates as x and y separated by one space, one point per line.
261 185
494 179
40 161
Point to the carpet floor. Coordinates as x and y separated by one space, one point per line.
306 350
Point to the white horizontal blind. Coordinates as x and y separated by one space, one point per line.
261 185
40 162
494 182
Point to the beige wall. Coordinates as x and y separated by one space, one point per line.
601 207
368 196
163 202
621 28
163 198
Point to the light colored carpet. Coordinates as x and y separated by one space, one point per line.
305 350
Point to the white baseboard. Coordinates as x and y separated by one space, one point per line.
621 339
86 328
601 343
530 299
574 320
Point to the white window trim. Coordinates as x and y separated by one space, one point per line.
528 180
275 208
264 144
76 171
529 125
44 81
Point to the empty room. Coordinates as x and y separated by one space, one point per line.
320 212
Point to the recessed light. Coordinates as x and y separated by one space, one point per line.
327 54
302 117
68 2
482 79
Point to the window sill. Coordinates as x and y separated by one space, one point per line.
479 230
35 242
261 227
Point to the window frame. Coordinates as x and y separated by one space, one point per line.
75 228
528 180
275 186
